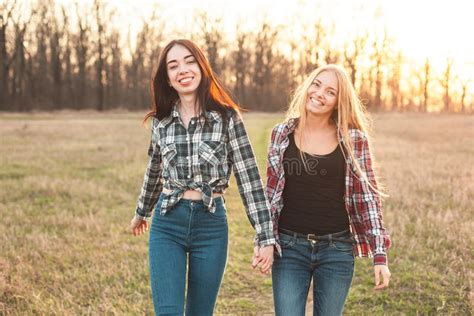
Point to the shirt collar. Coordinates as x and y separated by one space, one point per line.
210 115
170 118
174 111
213 115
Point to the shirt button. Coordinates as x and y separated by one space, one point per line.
188 158
189 176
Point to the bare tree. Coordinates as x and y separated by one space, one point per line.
394 82
445 83
56 34
6 10
263 64
411 99
19 79
379 51
351 54
69 88
99 63
211 33
464 87
82 54
156 39
331 54
312 43
42 70
137 87
241 57
425 84
114 69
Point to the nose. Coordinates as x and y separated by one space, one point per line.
183 69
319 93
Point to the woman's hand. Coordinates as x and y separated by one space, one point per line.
381 270
138 226
263 258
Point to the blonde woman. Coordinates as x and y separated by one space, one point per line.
324 198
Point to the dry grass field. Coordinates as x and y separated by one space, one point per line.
69 183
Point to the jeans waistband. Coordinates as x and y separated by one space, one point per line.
339 236
200 201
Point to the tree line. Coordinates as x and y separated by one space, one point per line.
53 58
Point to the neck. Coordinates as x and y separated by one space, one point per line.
188 104
318 122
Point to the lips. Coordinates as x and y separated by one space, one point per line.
185 80
316 102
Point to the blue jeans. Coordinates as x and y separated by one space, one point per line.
187 236
329 263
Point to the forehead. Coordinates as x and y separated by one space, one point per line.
328 78
177 52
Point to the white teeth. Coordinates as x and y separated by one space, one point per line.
185 80
315 102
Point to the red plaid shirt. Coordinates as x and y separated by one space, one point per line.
362 203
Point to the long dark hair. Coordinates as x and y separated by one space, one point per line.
211 95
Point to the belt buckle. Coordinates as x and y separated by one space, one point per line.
311 237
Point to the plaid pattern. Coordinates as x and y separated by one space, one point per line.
202 158
362 203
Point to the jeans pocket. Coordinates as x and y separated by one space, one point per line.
287 241
342 246
158 203
220 212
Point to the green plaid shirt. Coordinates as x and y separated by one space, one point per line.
201 158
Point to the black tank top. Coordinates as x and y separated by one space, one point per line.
313 198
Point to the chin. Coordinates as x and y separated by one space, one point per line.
317 113
188 91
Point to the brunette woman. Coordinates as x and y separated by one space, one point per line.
197 138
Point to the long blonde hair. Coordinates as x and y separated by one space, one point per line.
350 113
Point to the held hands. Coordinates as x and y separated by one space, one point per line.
381 270
138 226
263 258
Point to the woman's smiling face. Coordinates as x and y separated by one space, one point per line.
184 74
322 94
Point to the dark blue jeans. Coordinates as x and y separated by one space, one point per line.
188 236
329 263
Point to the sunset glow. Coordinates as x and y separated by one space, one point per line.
419 41
421 29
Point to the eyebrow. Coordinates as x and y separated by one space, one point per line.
175 61
319 81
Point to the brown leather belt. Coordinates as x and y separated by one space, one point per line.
339 236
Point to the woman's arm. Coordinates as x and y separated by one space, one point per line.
372 209
249 181
152 184
273 160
